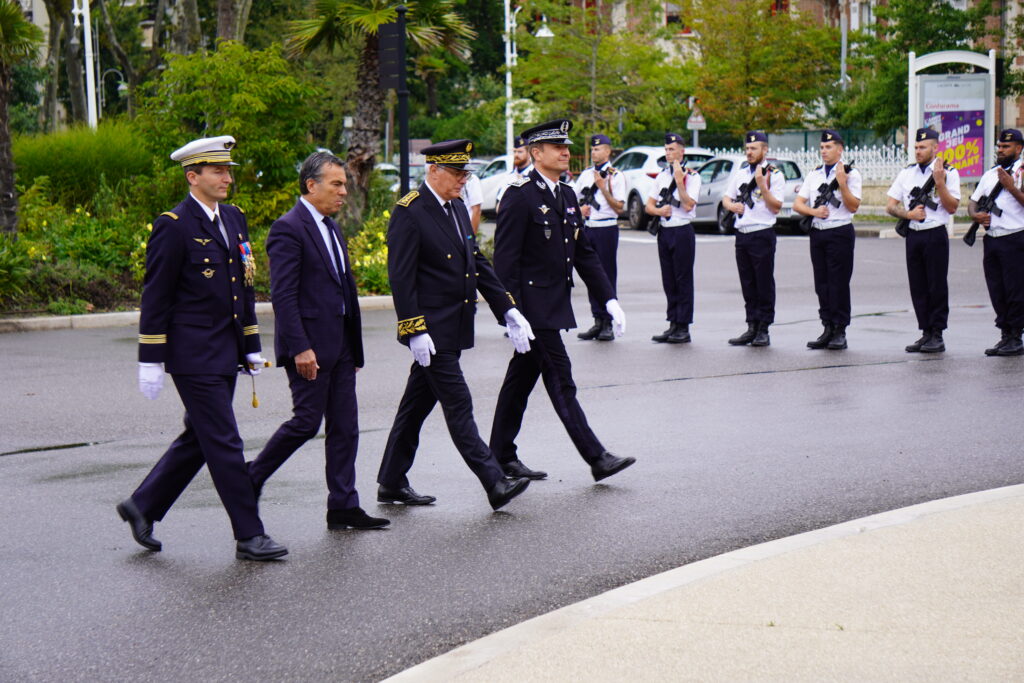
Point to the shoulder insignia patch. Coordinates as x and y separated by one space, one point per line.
171 214
612 170
407 199
912 165
818 168
518 181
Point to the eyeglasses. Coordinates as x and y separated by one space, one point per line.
461 175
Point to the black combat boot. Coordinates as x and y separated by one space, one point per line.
838 340
934 343
826 335
746 337
761 338
1005 337
663 337
606 333
592 333
1013 346
916 346
681 335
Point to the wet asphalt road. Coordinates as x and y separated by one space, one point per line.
734 445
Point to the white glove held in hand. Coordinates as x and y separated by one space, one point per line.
422 347
618 316
519 331
151 379
256 362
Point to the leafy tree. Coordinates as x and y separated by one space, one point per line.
759 69
20 41
878 95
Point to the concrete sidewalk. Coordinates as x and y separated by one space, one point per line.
930 592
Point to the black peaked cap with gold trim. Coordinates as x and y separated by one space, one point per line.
450 153
556 132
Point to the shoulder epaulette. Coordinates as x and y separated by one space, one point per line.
240 210
690 171
562 182
518 181
912 165
171 214
407 199
818 168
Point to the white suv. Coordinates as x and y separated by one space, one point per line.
640 166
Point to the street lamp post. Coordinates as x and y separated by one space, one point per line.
81 12
510 61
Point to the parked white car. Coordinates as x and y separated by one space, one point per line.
714 178
493 177
640 165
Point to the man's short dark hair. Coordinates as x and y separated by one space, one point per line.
194 168
313 168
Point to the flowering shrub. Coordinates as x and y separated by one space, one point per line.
368 251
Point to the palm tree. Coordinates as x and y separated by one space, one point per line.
430 24
20 40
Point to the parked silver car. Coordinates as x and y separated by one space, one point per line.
640 166
714 178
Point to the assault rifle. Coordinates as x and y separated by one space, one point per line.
589 197
986 204
746 197
918 197
826 195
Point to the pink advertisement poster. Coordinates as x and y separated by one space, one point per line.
961 140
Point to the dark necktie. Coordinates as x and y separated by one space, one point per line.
220 228
339 265
559 202
450 210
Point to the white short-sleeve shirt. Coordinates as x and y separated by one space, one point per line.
604 214
680 216
757 217
1012 219
911 177
811 188
472 192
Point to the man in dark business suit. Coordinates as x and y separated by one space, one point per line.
537 243
198 322
435 267
317 338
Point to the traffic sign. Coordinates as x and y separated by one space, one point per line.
696 121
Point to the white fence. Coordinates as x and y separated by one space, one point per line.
875 163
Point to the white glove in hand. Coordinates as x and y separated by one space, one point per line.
519 331
151 379
422 347
256 362
618 316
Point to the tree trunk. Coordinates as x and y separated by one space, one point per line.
75 70
52 67
364 141
8 195
232 17
187 37
431 82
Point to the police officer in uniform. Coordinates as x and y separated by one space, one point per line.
521 166
601 191
755 236
673 202
927 241
198 323
1004 242
538 241
435 267
832 237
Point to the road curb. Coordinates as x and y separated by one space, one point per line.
475 654
125 318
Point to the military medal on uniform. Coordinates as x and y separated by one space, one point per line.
248 262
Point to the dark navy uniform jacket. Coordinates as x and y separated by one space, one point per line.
536 247
435 273
198 317
308 295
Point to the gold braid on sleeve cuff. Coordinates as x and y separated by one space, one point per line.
152 338
411 326
250 329
511 298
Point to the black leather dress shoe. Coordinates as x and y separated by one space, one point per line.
592 333
761 338
916 346
354 518
746 337
823 340
505 490
663 337
994 350
609 464
404 495
1014 345
681 335
838 340
934 343
606 333
142 528
259 548
516 468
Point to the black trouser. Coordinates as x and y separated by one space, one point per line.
832 262
927 268
441 382
755 260
676 251
547 358
210 438
1004 274
605 241
332 395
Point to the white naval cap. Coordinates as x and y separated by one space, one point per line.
206 151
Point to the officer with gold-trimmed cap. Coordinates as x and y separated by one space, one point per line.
198 323
436 268
538 242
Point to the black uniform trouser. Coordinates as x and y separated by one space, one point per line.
547 358
331 397
441 382
605 240
755 260
832 262
676 252
1004 274
927 268
210 438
